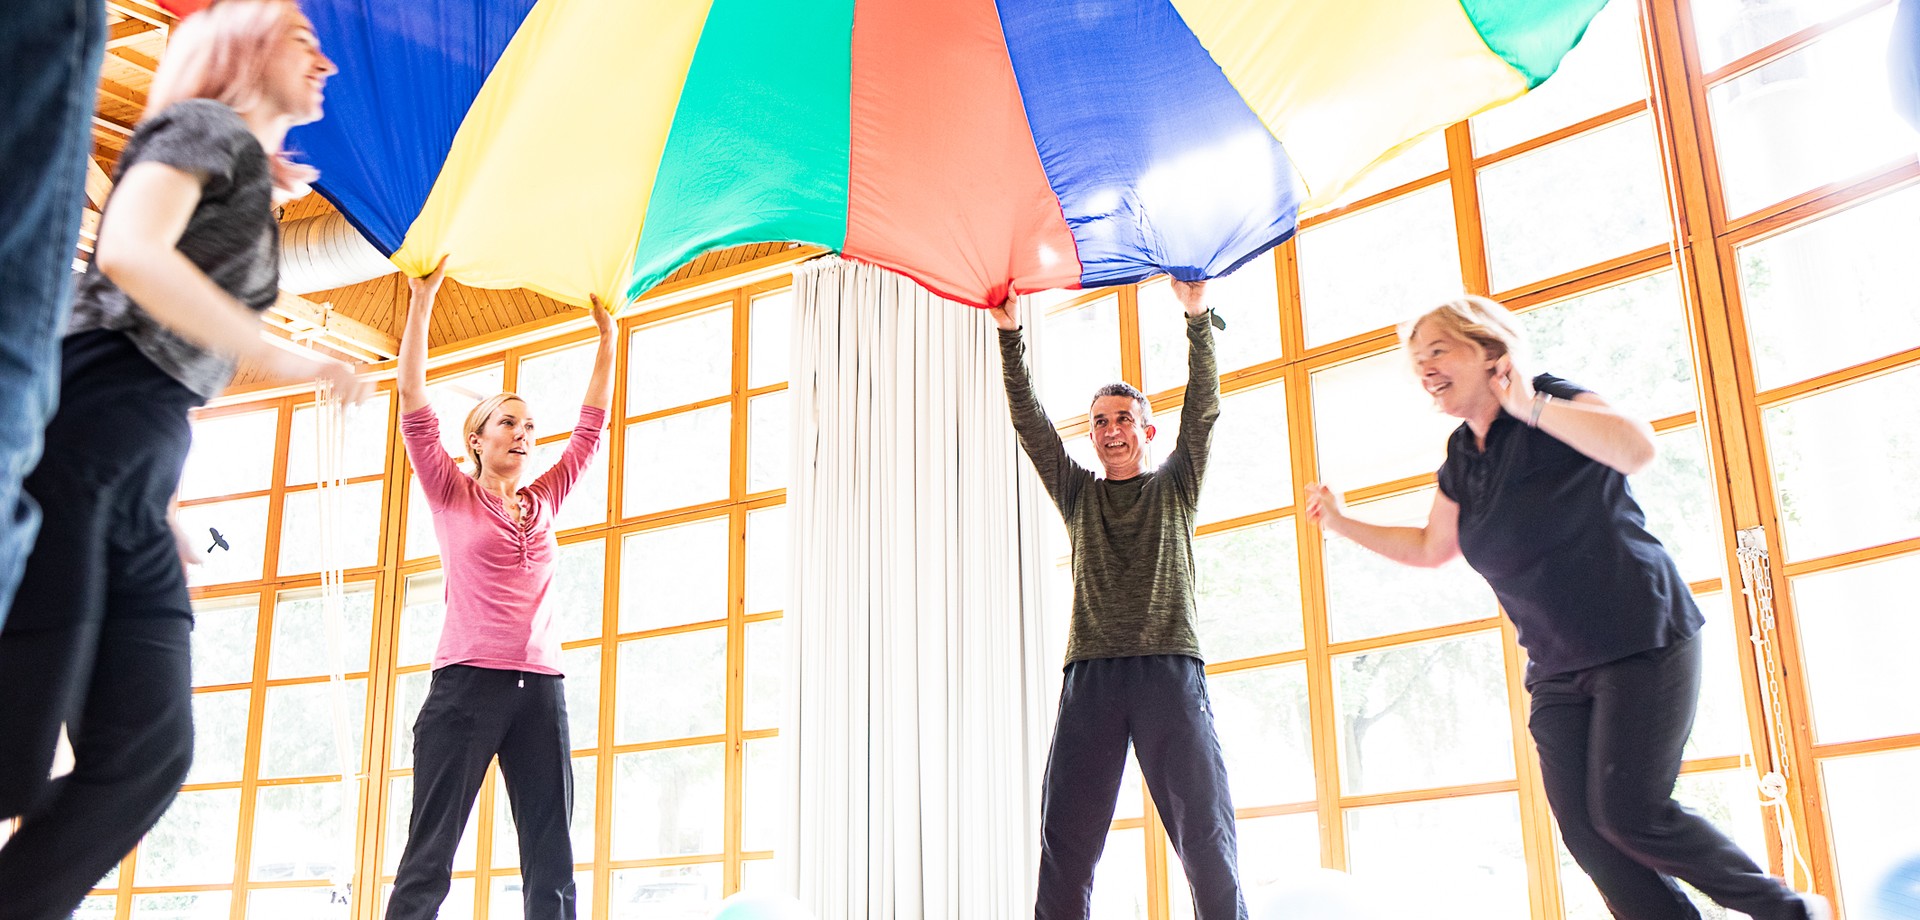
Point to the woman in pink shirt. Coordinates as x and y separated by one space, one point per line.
496 679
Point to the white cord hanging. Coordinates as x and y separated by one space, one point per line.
330 464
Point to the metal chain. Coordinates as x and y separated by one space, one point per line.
1756 577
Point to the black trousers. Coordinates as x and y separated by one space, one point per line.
1610 740
97 642
472 714
1160 702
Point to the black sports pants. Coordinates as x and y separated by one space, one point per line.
472 714
1610 740
1160 702
97 639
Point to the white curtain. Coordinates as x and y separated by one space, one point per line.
924 676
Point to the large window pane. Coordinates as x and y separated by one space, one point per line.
672 687
766 675
577 596
225 631
1120 878
587 502
767 553
1857 634
1720 719
298 738
231 454
1574 203
1277 849
1843 465
1249 591
184 905
453 397
302 832
669 802
423 612
1872 806
355 520
1078 352
1604 71
219 736
1246 299
674 575
769 338
1265 736
363 451
300 646
582 684
1728 29
194 842
1248 464
1343 290
769 445
1423 715
678 460
1818 115
1457 859
242 525
409 695
1835 292
666 892
553 383
1369 595
1373 423
1626 342
1677 494
680 361
421 540
763 804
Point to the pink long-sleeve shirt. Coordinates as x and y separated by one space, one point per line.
497 572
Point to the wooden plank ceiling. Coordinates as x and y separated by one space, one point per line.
357 322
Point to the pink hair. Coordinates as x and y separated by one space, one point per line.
221 53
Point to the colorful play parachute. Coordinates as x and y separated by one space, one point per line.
576 146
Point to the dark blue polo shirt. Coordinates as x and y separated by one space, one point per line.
1564 545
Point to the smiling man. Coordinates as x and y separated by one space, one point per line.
1133 668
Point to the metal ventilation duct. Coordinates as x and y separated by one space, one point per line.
325 252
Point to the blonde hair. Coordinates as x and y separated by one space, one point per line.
1481 321
477 419
221 53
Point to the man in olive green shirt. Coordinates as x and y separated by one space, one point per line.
1133 663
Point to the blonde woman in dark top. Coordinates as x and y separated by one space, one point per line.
96 646
1534 494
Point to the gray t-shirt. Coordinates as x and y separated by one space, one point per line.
1133 575
232 235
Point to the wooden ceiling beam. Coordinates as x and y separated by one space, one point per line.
99 184
128 31
333 326
139 61
146 11
126 94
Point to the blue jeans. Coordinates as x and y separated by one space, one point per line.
52 52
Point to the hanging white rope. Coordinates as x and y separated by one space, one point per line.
1755 569
330 464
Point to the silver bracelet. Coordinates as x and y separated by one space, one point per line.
1540 401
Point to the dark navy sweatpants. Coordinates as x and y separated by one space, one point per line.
1159 702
